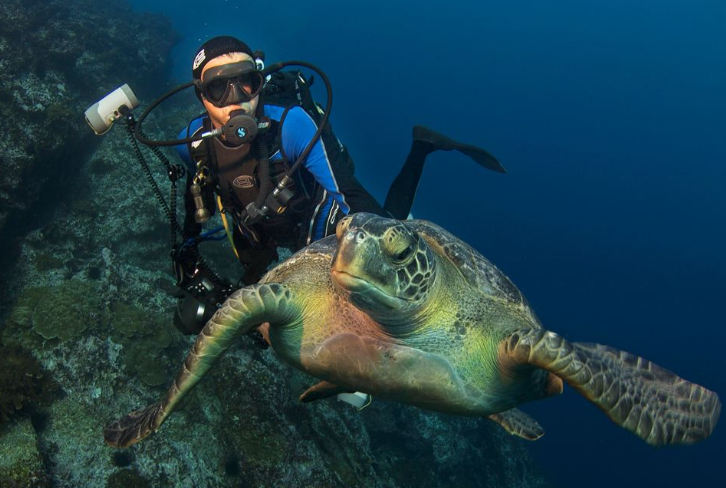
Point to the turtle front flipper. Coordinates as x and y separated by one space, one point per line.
243 310
518 423
653 403
132 428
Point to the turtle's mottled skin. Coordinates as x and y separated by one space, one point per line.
407 312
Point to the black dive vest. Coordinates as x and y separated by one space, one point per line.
234 172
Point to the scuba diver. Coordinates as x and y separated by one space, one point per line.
277 127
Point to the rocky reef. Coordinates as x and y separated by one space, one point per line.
23 382
86 330
56 58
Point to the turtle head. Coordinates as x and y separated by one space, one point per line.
386 268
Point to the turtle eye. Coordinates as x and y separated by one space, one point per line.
399 244
404 255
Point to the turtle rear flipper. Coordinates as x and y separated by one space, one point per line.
322 390
518 423
653 403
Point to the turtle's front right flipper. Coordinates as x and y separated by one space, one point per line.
653 403
243 310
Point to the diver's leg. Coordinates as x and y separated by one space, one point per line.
480 156
403 189
254 259
425 141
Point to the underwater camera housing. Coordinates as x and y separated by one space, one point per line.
102 114
201 295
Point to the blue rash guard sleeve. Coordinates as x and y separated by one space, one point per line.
183 149
297 131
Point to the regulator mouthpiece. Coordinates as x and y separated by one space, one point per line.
240 129
102 114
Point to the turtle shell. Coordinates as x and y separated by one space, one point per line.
477 270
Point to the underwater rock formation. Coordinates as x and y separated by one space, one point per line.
21 463
22 382
57 58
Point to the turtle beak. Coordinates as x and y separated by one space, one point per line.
354 272
351 241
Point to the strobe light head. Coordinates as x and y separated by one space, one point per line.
102 114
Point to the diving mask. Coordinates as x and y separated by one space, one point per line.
231 83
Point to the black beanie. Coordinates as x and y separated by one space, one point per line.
214 47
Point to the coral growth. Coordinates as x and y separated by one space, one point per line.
144 336
62 312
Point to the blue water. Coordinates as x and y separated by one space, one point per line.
610 117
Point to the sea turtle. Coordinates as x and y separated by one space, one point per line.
405 311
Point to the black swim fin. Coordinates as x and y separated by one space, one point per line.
440 141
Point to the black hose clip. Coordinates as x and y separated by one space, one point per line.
278 199
253 214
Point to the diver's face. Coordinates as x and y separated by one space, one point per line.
220 115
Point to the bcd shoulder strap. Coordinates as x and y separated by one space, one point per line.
289 88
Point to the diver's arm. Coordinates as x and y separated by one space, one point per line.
191 227
297 131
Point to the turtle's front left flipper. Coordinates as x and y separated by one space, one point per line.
649 401
244 309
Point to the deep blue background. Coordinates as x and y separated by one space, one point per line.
610 117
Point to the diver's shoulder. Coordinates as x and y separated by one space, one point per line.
296 114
